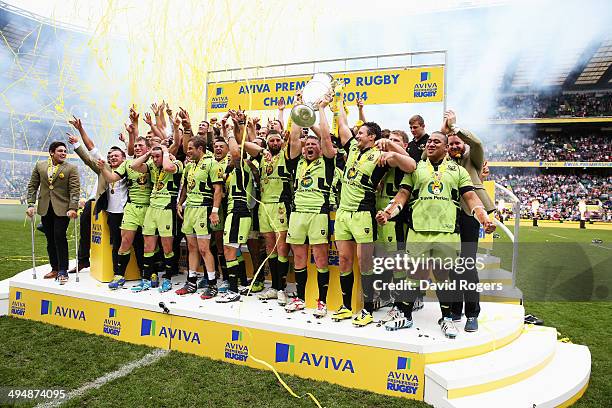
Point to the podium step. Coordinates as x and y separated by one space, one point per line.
505 366
560 383
495 275
489 261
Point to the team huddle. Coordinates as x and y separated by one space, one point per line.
236 184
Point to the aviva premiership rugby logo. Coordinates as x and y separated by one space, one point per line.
401 380
112 325
435 187
234 350
18 307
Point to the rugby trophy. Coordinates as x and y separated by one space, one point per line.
304 114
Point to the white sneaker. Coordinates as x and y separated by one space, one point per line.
282 297
448 328
397 320
418 304
267 294
228 297
295 305
321 310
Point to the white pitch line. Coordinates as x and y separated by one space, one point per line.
559 236
600 246
150 358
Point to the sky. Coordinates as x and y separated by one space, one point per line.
144 51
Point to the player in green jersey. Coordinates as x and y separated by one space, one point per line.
240 191
202 192
221 155
355 227
392 235
314 166
165 173
437 184
139 193
274 210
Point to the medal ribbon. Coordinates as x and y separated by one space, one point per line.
54 170
160 176
306 167
364 156
437 175
191 174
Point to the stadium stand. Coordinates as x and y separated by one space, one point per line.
561 146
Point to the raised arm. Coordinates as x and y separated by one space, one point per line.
360 108
295 145
476 148
177 137
344 132
149 121
327 147
140 164
187 131
132 129
108 175
239 124
167 163
76 122
84 155
281 109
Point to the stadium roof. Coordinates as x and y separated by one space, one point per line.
578 68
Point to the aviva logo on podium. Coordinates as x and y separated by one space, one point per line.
285 353
148 328
46 308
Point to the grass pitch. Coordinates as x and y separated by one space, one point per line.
36 355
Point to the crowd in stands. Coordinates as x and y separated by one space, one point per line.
558 105
15 175
551 147
22 133
559 194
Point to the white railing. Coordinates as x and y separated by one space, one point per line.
514 237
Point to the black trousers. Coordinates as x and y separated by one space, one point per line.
469 230
57 243
85 234
114 227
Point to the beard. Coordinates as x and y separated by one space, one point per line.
274 150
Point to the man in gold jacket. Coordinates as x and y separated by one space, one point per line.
57 184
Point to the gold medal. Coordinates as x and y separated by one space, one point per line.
51 187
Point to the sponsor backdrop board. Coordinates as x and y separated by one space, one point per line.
101 254
387 86
383 371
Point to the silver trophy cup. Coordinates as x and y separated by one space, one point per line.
304 114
